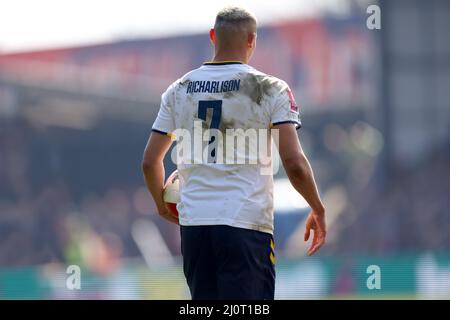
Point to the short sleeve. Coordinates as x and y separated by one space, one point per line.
164 122
286 109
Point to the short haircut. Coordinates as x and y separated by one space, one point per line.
230 17
232 25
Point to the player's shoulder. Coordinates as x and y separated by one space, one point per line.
186 77
267 79
180 82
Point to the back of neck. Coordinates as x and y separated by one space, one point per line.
220 57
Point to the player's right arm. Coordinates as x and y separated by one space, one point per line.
157 146
301 175
153 170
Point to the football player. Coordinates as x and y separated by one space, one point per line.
226 209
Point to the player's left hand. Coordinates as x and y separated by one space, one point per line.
315 222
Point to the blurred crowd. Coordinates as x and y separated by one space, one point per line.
43 220
408 214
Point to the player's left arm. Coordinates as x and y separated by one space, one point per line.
286 119
153 169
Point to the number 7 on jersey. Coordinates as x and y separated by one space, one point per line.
216 106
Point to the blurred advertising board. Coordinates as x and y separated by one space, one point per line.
424 276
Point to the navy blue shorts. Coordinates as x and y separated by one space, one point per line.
223 262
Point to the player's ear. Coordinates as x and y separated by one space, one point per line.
212 35
251 39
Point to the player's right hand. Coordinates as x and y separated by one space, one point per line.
315 222
165 213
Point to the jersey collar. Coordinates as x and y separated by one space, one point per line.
221 63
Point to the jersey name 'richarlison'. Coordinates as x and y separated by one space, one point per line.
213 86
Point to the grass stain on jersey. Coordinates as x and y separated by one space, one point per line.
185 82
228 95
256 86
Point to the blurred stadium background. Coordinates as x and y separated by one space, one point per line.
376 111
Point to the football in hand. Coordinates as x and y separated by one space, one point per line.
172 193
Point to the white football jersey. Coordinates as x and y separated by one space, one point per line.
224 96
